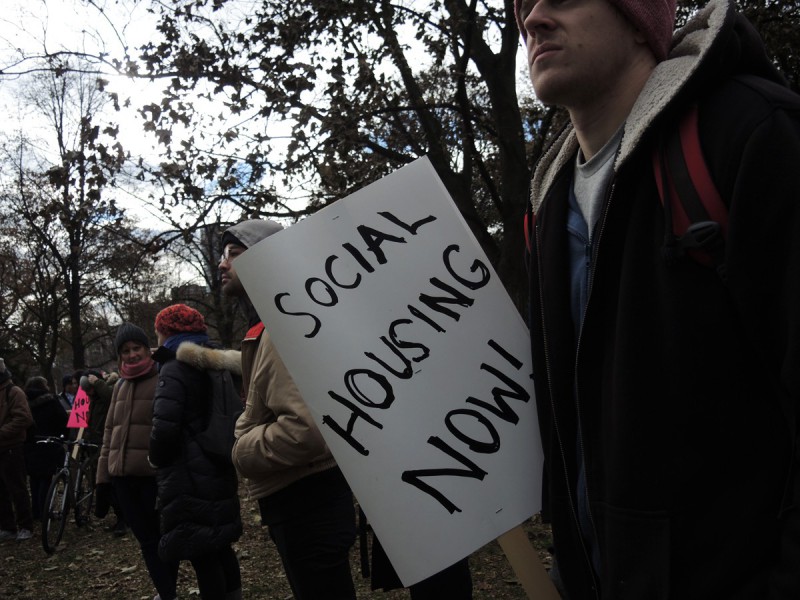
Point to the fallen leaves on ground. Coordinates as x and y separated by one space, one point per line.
92 562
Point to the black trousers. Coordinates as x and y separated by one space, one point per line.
453 583
15 502
137 499
217 573
313 525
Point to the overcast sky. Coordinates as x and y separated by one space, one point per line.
34 25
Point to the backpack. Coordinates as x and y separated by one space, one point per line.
216 438
696 218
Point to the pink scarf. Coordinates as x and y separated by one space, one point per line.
134 370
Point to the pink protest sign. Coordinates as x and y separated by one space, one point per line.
79 416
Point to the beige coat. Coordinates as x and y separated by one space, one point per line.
277 441
126 438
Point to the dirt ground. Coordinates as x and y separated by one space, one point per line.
93 563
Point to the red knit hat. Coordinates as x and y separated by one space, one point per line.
179 318
654 18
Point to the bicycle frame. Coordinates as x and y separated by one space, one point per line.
72 486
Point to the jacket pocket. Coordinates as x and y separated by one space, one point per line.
635 559
249 462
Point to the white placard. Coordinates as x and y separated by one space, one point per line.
414 362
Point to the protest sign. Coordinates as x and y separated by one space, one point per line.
413 361
79 415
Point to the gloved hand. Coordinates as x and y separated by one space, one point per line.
102 499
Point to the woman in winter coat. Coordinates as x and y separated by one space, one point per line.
197 496
123 456
42 460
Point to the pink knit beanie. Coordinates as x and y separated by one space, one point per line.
654 18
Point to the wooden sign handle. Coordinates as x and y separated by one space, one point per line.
526 564
76 447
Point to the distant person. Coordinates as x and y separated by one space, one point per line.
69 387
100 392
197 497
111 378
303 497
16 517
70 384
123 460
43 460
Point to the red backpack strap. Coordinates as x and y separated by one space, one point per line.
696 218
527 228
698 171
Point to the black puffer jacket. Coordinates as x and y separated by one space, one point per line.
98 409
197 498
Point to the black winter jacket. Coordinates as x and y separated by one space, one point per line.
197 498
49 418
98 411
687 389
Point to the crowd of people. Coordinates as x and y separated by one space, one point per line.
668 392
181 503
28 414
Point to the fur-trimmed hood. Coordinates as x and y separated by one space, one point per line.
204 358
715 44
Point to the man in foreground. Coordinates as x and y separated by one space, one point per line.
668 394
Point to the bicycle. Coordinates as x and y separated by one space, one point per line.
66 492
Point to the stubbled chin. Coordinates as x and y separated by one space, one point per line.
547 85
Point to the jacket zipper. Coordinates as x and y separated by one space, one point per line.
593 264
586 556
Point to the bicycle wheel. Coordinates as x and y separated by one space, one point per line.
54 518
84 492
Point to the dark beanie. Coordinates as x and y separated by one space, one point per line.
250 232
179 318
128 332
